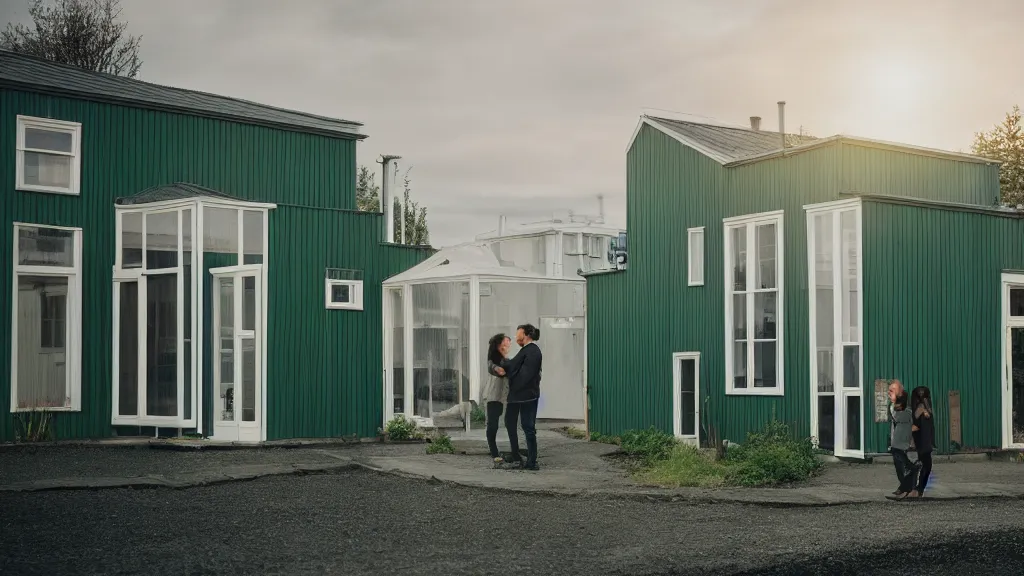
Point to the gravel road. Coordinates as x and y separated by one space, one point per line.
363 523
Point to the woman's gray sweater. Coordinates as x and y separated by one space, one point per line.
903 432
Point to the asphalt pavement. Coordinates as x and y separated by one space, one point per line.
360 522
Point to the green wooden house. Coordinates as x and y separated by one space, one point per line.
183 261
793 277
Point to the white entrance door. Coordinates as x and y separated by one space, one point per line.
237 354
834 269
686 397
1013 361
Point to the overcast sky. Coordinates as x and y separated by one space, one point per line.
526 107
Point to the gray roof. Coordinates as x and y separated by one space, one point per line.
176 191
24 72
730 144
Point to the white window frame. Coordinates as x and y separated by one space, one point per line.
677 397
750 222
72 325
690 234
355 290
73 128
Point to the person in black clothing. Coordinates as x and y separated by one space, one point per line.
924 436
523 373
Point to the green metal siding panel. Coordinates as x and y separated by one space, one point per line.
882 171
124 151
933 311
638 318
324 371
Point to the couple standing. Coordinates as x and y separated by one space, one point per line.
514 387
911 424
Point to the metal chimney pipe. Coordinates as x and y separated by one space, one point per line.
600 207
501 226
782 123
389 168
755 123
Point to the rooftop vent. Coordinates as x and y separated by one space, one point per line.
755 123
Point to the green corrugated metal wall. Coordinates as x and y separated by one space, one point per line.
933 311
125 150
325 367
638 318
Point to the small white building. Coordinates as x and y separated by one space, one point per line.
440 314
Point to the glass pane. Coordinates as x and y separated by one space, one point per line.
42 139
248 380
186 233
739 259
252 236
766 242
765 359
739 364
220 230
162 345
440 342
688 398
42 246
128 350
764 315
162 240
340 293
827 422
131 240
853 405
225 335
850 249
42 328
851 366
47 170
398 351
1016 301
249 303
739 316
1017 391
697 257
826 370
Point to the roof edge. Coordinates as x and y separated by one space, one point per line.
653 123
935 204
867 143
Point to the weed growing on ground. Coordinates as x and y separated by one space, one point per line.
440 444
401 428
770 457
478 416
605 439
575 433
35 425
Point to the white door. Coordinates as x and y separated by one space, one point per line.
562 393
835 270
237 354
1013 361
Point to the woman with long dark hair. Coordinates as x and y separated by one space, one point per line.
924 435
494 392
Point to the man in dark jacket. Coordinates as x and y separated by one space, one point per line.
523 372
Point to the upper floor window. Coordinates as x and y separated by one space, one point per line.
695 256
753 304
49 155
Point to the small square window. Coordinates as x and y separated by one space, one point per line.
48 155
695 256
344 294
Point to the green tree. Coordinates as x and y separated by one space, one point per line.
83 33
1005 142
415 220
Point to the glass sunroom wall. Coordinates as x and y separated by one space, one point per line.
440 353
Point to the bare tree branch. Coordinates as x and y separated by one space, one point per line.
83 33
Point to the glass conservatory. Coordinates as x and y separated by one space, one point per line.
439 315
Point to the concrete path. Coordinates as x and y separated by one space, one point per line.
568 468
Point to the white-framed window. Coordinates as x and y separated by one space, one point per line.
753 304
686 396
47 322
344 294
49 155
695 256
